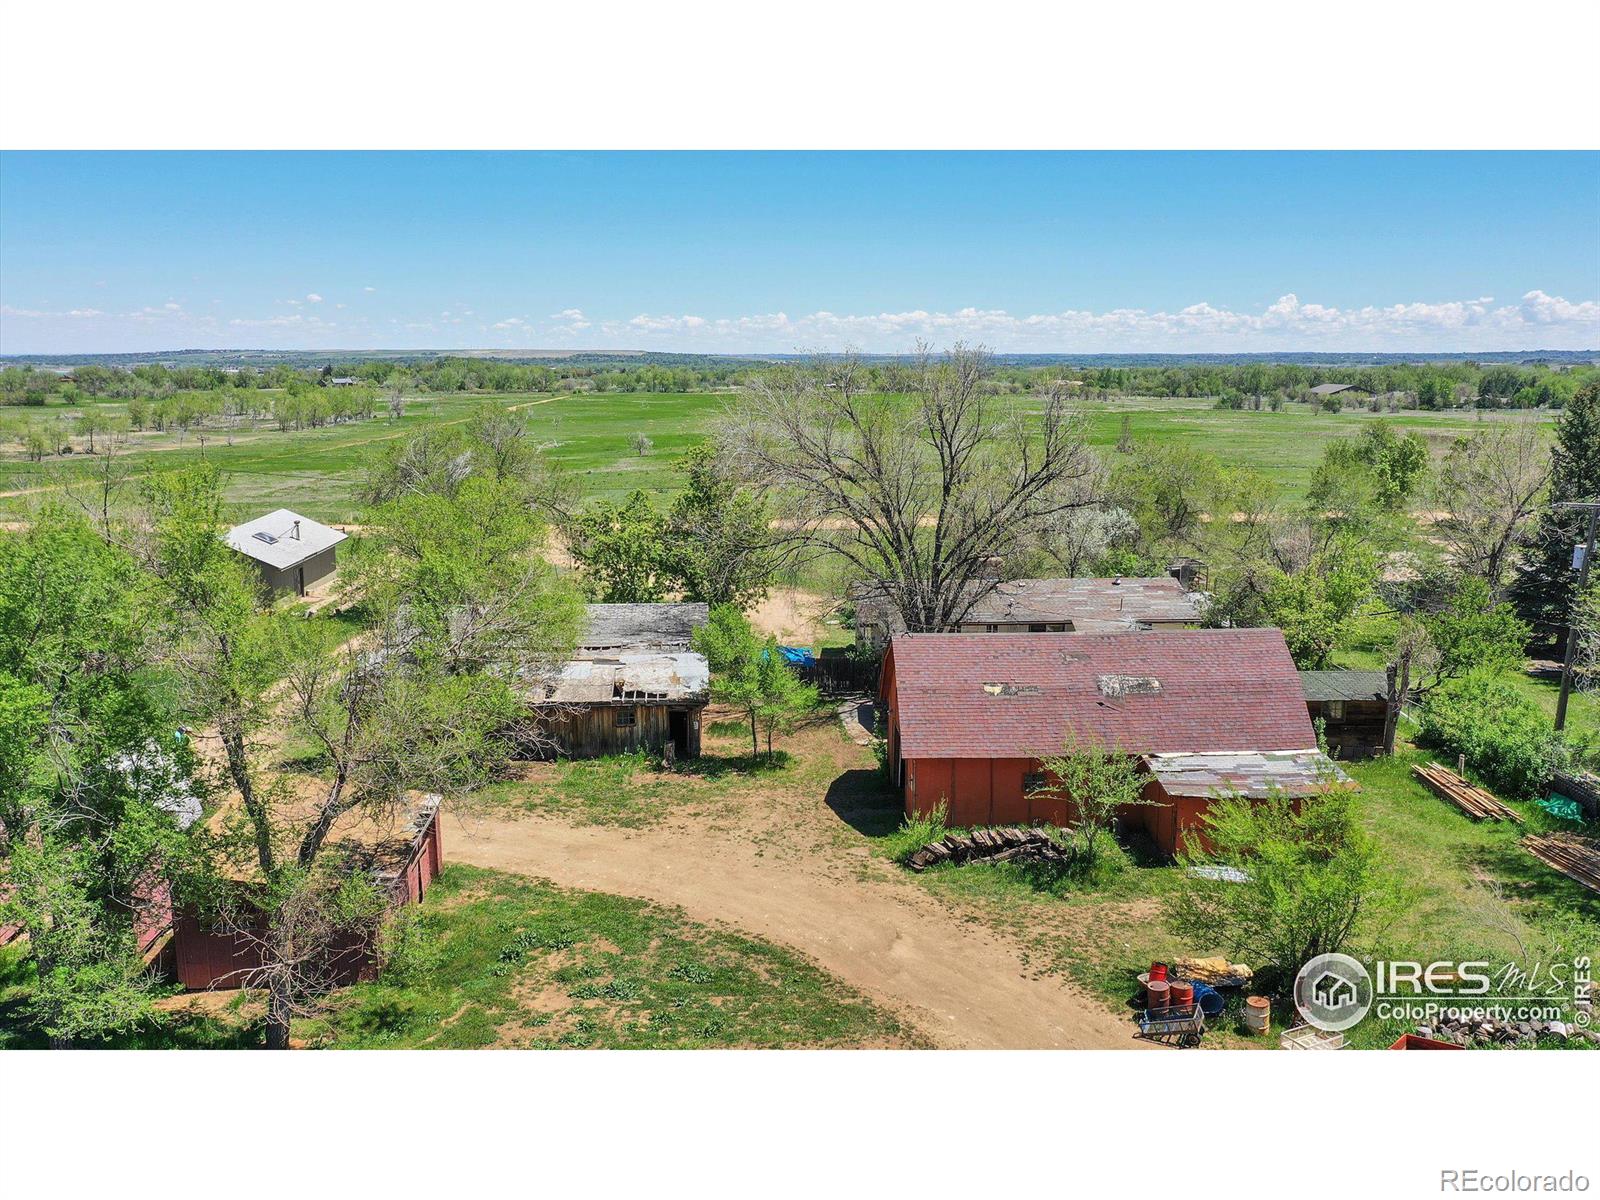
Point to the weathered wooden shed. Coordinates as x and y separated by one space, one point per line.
403 857
1076 605
1352 705
1205 712
634 684
294 554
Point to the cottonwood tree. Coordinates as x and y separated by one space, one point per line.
926 492
1488 488
1099 781
419 703
718 537
87 768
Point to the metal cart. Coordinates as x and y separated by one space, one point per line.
1181 1025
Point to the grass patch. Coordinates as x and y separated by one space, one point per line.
520 962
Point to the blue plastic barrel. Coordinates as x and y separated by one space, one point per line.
1209 999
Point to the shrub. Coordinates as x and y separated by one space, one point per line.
1506 738
915 833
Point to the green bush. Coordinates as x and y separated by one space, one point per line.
915 833
1507 739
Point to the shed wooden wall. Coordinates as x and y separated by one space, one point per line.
591 731
990 791
204 957
1358 733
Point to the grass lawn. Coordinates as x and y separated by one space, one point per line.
509 961
591 435
1469 892
502 960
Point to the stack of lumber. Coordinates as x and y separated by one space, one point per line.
1468 797
1008 844
1574 856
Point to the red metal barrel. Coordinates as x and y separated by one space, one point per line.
1157 990
1180 994
1158 971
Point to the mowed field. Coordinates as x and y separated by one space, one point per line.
592 435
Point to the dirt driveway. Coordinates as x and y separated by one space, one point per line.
796 878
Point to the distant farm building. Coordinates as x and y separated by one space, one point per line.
294 554
634 684
1353 706
1082 605
1207 712
1338 389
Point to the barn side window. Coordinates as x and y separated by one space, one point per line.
625 717
1032 782
1336 709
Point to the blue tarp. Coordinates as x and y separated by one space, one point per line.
800 656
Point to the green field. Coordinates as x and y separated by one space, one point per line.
592 435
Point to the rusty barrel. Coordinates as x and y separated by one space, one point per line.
1180 993
1156 991
1257 1014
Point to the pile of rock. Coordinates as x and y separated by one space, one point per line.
1480 1030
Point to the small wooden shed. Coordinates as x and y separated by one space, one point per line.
402 857
634 684
1352 705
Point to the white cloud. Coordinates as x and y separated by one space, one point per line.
369 288
314 298
39 314
1538 321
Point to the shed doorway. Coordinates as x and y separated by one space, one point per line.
300 581
678 731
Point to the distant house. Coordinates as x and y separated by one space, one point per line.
342 381
1353 706
293 553
634 684
1206 712
1082 605
1338 389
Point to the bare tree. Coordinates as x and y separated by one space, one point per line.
1488 487
928 492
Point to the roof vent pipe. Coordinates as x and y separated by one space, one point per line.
297 531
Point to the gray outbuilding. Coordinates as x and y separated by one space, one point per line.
294 554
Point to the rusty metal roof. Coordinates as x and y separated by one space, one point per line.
630 677
1255 773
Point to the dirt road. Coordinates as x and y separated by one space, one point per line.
960 985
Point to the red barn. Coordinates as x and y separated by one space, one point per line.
1206 711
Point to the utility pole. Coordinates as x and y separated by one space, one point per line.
1577 599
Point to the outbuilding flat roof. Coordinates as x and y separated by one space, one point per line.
1252 773
1345 685
662 626
1156 692
282 538
630 678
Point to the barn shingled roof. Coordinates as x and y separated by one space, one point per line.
1159 692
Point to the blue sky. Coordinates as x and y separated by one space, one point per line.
1069 252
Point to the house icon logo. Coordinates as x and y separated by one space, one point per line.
1333 992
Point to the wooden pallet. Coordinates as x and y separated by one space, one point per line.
1576 857
1468 797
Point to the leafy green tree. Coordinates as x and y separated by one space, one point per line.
621 551
87 771
412 707
1377 462
1099 782
1543 592
1505 737
1314 882
782 700
751 676
718 537
1472 632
